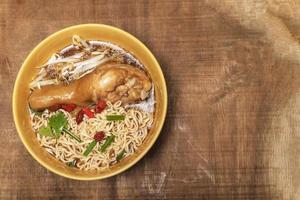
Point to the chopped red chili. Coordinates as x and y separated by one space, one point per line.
79 116
99 136
54 107
68 107
100 106
88 112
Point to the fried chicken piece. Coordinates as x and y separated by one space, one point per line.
112 82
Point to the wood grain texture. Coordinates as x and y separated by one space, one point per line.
232 71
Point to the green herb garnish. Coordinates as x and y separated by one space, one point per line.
72 135
90 148
46 131
107 143
115 117
56 125
120 155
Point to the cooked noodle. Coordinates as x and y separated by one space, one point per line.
129 135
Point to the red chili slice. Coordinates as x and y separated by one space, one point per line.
79 116
88 112
100 106
99 136
68 107
54 107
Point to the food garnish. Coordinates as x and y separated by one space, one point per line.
120 155
100 106
115 117
97 138
57 125
107 143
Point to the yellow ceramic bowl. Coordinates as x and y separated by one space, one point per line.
41 54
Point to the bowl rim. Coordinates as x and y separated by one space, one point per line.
17 83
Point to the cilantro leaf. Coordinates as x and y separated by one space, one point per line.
45 131
57 122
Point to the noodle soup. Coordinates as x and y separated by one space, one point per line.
91 104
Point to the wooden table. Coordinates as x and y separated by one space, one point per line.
232 71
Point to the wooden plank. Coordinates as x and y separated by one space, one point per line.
232 130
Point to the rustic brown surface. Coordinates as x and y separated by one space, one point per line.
232 70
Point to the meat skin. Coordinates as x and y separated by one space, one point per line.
111 82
